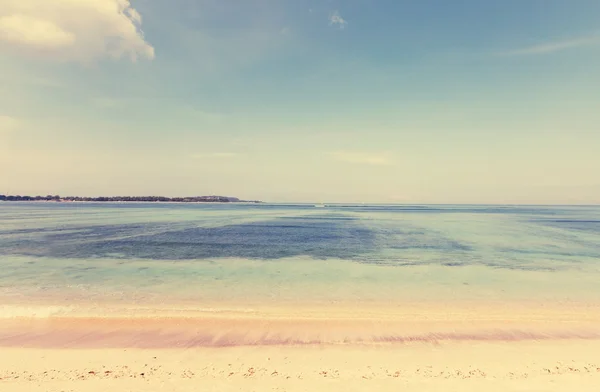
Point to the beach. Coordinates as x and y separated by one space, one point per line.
465 366
415 347
287 298
286 196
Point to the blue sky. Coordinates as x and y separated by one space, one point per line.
367 101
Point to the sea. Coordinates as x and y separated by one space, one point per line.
205 253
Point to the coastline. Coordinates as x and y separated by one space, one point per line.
522 313
231 345
220 346
125 199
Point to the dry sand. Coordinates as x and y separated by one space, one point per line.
396 348
517 366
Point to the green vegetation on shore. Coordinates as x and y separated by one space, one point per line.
192 199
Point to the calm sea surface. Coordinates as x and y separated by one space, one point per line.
267 252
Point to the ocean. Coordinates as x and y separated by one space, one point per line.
206 254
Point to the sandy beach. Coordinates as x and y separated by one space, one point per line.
522 366
299 195
411 348
179 298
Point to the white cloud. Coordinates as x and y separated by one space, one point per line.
31 31
557 46
8 123
73 30
362 157
335 19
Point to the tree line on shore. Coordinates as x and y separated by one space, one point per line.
192 199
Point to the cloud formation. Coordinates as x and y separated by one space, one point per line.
335 19
73 30
551 47
361 157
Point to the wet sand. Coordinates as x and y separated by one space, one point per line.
170 326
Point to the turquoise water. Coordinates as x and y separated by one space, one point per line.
266 252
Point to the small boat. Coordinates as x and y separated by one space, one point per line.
319 205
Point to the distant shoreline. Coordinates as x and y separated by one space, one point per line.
126 199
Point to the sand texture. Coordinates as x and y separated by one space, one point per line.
404 347
467 366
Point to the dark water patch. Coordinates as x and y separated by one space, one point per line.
407 237
274 239
585 225
436 244
32 230
553 235
454 264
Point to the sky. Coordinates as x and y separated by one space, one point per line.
389 101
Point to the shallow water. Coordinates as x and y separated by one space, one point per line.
196 253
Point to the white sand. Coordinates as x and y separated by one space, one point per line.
568 365
492 347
